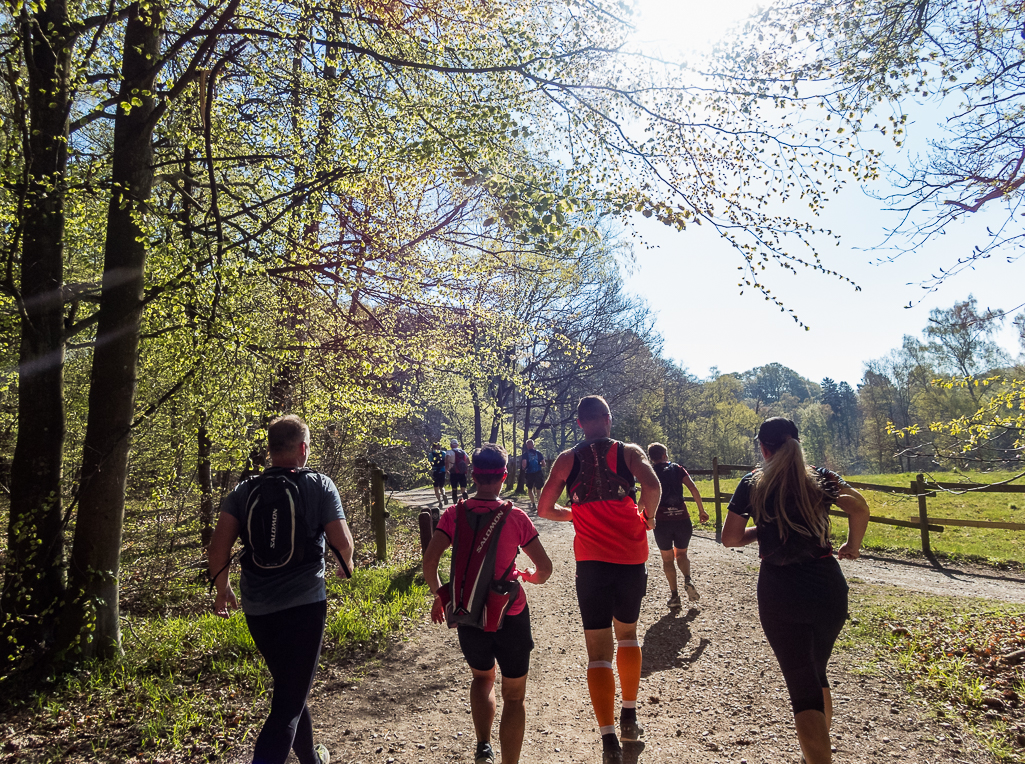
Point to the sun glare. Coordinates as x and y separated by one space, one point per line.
687 26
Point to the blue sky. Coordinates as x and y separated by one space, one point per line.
690 279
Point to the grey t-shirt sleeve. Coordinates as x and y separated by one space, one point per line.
234 503
330 504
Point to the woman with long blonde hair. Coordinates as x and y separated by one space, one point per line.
802 593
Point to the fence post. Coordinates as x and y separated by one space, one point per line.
923 513
377 511
718 501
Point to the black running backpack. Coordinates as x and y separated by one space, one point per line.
276 531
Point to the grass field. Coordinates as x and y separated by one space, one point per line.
993 545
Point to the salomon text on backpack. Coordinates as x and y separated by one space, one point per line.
472 597
275 530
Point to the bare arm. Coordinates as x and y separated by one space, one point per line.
735 531
854 504
339 537
651 489
218 556
432 556
542 562
554 486
702 514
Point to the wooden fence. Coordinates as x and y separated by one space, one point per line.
920 487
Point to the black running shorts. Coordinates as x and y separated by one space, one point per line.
534 479
510 646
438 478
458 479
606 590
670 533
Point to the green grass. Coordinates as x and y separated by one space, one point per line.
949 651
190 685
985 544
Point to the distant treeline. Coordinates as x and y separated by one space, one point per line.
878 424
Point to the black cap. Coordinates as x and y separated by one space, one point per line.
774 432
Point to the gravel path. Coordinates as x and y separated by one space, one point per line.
711 691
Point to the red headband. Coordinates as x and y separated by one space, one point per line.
490 471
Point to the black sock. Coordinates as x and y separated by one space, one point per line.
609 742
627 715
686 579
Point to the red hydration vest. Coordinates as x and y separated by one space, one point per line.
473 597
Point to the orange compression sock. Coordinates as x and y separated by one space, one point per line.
628 662
601 683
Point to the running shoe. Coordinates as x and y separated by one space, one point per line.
630 731
612 757
692 593
674 602
484 754
323 756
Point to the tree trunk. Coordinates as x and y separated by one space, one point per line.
90 625
477 430
34 575
206 483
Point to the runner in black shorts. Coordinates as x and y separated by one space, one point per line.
673 526
607 591
456 463
610 544
802 593
533 466
436 458
510 646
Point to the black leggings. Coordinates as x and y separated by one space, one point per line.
803 608
289 641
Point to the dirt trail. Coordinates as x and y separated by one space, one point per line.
710 691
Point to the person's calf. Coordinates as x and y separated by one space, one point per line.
813 735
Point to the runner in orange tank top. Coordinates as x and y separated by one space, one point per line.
611 548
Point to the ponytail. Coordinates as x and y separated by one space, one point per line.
792 487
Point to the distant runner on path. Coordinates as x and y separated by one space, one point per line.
511 643
673 526
533 466
802 593
611 548
436 458
457 463
283 517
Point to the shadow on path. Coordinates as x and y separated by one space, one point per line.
667 643
632 751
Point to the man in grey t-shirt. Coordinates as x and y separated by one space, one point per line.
285 610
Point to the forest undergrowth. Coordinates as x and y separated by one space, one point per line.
190 685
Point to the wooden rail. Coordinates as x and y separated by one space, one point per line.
920 488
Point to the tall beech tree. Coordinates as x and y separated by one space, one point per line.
41 103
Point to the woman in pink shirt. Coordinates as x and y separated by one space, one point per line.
510 646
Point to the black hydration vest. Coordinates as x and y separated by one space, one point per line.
672 485
591 478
